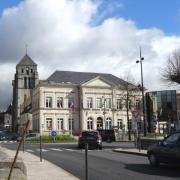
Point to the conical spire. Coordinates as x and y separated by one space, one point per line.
26 61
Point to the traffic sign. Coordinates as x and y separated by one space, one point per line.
53 134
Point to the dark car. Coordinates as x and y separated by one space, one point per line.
93 139
107 134
167 151
8 136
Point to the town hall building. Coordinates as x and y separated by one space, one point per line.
69 102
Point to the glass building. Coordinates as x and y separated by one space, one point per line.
162 106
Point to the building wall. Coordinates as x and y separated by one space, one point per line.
21 90
82 112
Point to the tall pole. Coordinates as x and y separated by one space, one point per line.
104 111
127 111
71 121
144 121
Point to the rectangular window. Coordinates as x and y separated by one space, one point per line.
71 124
49 124
49 102
89 125
119 104
138 104
60 124
98 103
108 102
89 102
59 102
120 124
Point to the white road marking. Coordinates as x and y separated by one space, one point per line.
43 150
29 150
69 149
56 149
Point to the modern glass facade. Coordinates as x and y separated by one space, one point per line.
161 105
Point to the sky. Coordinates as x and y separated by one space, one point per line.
89 36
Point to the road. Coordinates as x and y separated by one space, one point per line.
103 164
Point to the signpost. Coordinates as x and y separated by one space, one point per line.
54 134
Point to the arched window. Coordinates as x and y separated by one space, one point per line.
108 123
90 123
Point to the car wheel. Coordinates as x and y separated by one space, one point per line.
79 147
100 147
153 160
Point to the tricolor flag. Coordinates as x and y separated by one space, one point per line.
72 106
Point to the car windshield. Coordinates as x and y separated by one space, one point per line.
172 139
89 134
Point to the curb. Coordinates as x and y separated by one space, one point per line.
130 152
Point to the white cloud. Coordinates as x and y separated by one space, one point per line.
60 37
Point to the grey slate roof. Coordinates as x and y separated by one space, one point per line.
26 61
81 77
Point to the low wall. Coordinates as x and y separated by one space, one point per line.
144 143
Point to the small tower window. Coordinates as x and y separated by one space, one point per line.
22 71
27 70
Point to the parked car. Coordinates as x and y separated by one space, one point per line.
167 151
107 134
8 136
29 136
93 139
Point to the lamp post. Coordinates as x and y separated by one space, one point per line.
104 110
142 86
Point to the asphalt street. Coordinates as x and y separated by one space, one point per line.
102 164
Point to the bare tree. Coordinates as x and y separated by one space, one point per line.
130 90
171 72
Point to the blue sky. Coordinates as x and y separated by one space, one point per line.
162 14
62 31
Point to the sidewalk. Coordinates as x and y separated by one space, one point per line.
131 151
37 170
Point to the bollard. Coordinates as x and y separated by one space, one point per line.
86 161
40 148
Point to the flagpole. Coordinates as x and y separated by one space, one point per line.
71 121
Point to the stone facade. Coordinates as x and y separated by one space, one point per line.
69 102
25 79
88 99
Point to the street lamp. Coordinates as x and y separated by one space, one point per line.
140 61
104 111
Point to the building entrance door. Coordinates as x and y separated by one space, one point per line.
99 123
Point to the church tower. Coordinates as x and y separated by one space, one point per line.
25 80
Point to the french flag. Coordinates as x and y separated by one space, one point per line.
72 106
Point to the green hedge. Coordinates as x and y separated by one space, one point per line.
50 139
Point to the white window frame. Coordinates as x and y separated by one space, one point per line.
98 103
49 122
89 102
49 102
90 123
120 124
119 104
60 124
60 103
108 103
108 123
